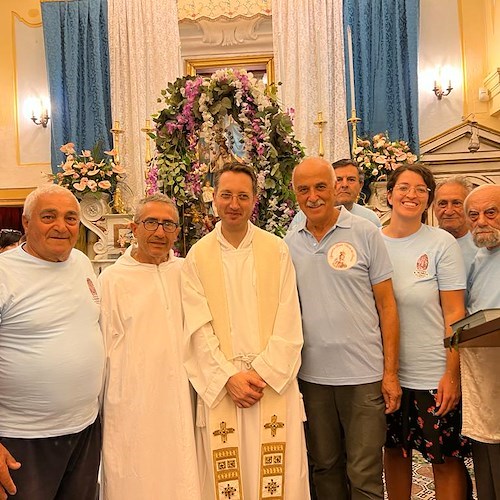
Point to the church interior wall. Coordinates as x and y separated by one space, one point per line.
460 36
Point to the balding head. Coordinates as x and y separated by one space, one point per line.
482 209
313 162
314 185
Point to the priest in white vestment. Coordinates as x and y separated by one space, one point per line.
244 341
149 447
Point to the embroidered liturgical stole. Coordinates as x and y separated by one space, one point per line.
222 420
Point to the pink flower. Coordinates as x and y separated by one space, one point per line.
68 148
104 184
80 186
92 185
113 152
86 153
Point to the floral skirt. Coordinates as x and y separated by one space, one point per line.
415 427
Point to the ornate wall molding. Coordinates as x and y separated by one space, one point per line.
226 37
227 32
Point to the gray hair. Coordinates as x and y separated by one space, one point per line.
456 179
33 197
154 198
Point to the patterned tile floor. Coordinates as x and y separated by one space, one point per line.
423 484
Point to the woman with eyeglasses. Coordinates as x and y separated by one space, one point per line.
9 238
429 282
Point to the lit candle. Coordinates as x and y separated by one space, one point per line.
148 123
351 67
116 125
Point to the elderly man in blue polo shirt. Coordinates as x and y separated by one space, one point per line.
351 338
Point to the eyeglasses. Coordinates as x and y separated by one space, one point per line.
406 188
169 226
10 231
229 196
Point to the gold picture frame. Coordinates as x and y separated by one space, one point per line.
122 237
259 65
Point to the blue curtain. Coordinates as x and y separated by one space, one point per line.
77 52
385 45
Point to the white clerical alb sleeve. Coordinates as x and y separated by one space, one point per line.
279 362
207 367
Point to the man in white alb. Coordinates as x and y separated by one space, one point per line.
149 447
244 341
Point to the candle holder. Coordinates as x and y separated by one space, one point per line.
438 90
116 131
320 122
43 120
354 124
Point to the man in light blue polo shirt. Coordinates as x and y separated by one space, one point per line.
350 179
351 338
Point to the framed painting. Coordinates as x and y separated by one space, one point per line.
262 66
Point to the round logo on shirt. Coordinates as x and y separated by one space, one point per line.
93 291
342 256
421 269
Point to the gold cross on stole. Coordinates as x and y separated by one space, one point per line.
223 431
274 425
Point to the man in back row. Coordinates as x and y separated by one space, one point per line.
350 180
449 211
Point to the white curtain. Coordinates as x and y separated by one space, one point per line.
309 55
144 48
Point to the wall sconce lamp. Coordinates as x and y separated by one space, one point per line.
42 120
438 89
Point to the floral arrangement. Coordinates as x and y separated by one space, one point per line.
85 173
380 156
196 116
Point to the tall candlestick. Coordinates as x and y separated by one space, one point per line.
116 131
147 129
320 122
351 67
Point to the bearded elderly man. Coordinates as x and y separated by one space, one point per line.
479 365
148 426
51 357
449 200
244 342
351 338
350 180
